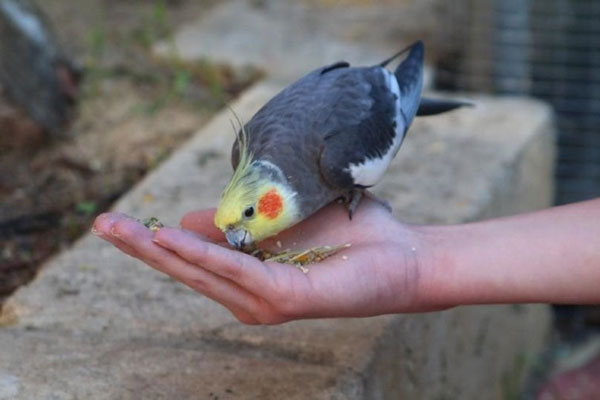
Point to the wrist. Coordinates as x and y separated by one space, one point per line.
426 262
442 282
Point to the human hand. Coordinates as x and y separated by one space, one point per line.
382 272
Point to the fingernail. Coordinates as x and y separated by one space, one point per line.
158 242
98 233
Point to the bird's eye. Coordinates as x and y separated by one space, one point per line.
249 212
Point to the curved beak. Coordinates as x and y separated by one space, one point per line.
239 238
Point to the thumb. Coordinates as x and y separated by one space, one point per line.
202 222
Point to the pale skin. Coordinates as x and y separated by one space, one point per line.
549 256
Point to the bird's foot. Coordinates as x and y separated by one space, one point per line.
353 199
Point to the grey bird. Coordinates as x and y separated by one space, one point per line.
332 134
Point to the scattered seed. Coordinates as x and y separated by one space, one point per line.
278 243
299 258
148 198
344 257
152 223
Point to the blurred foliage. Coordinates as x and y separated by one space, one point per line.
126 51
86 207
134 109
154 26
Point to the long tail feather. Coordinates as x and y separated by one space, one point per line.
430 106
409 75
398 54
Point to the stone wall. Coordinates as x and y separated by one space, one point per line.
97 324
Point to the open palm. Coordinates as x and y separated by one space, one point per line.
379 273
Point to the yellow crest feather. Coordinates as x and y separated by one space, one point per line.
237 192
244 161
245 188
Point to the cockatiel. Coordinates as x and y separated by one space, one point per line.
332 134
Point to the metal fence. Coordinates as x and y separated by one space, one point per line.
548 49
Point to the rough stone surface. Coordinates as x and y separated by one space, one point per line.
288 37
97 324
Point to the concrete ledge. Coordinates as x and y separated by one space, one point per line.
96 324
288 38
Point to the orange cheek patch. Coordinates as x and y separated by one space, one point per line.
270 204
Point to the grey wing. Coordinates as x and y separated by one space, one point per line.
371 110
365 130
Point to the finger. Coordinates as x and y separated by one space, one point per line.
135 239
122 246
102 227
202 221
105 221
241 268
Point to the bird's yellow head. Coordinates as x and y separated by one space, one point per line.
258 202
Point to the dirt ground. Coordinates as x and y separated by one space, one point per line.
134 111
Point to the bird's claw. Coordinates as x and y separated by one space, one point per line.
354 197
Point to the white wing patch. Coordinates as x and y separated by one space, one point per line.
370 171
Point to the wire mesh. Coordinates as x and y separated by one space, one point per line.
549 49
